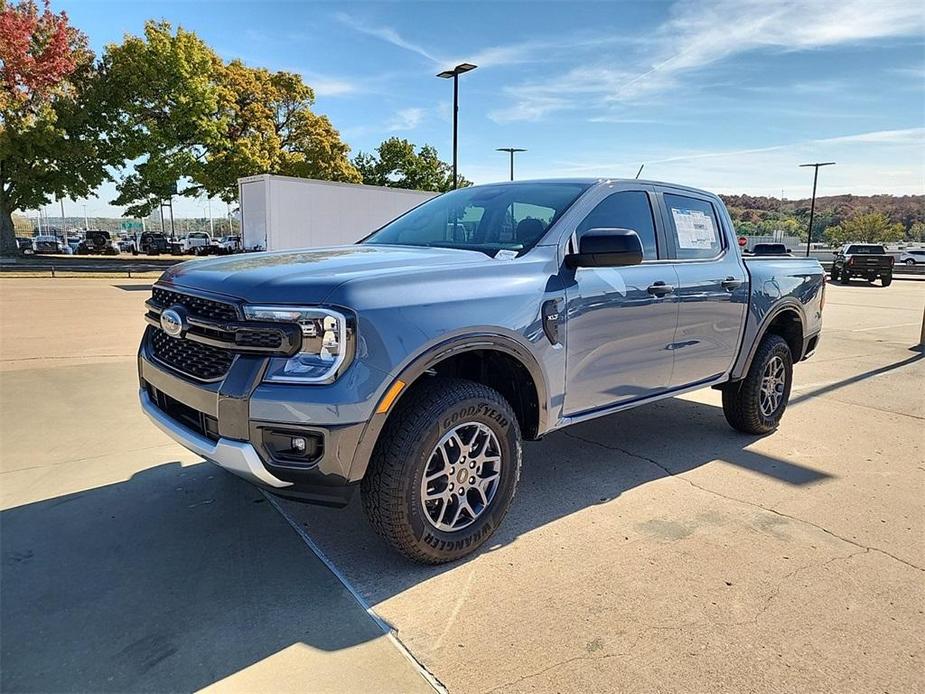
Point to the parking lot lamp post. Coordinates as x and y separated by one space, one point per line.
455 73
812 206
511 150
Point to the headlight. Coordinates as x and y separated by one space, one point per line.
327 343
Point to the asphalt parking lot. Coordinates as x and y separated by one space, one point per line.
655 550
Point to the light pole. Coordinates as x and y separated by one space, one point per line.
86 221
455 73
511 150
812 206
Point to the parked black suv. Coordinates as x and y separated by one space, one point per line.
867 260
97 242
151 243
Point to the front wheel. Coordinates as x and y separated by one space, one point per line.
887 280
910 262
844 277
444 470
756 404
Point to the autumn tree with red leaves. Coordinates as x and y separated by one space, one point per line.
53 113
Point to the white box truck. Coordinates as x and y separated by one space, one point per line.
283 212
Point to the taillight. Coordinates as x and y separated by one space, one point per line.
850 262
892 260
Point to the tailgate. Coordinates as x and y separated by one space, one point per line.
870 262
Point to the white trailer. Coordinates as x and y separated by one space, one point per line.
282 212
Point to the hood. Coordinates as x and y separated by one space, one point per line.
308 276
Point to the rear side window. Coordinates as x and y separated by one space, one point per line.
627 210
695 228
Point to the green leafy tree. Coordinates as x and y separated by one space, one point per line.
198 124
916 232
54 114
398 164
270 128
871 227
170 116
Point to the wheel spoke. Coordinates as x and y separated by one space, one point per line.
445 494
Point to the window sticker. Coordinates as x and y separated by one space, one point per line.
694 228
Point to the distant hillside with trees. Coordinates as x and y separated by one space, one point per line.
881 217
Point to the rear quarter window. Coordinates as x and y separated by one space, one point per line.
695 227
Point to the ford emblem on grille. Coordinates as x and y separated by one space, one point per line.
173 321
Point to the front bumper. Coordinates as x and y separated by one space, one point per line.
239 457
228 423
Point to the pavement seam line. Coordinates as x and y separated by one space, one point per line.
747 503
387 629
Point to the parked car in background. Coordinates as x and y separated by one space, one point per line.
97 242
229 244
411 365
25 245
195 242
49 245
770 249
151 243
867 260
912 257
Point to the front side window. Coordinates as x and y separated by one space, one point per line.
484 218
626 210
696 230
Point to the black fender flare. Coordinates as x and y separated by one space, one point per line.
744 362
435 354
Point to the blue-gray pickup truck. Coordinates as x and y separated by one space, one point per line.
414 363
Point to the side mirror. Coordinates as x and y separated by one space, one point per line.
606 248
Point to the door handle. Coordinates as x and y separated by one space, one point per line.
731 283
659 289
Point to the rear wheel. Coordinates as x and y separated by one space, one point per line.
887 280
910 261
444 471
756 404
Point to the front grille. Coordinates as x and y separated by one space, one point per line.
270 339
196 305
201 361
200 422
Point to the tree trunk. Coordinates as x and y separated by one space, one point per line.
8 245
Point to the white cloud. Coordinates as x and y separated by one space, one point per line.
406 119
331 86
387 34
869 162
536 50
699 34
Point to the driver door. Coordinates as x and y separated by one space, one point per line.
621 321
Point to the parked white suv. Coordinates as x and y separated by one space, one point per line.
912 257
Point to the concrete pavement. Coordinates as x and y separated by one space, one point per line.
655 550
129 564
658 550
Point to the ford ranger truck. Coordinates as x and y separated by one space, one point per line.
414 363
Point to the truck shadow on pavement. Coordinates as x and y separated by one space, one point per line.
169 581
182 576
570 470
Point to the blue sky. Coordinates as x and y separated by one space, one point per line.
724 95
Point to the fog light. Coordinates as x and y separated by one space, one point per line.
298 445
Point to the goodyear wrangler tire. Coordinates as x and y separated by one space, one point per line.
756 404
444 470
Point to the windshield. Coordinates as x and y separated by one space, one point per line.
866 250
512 216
